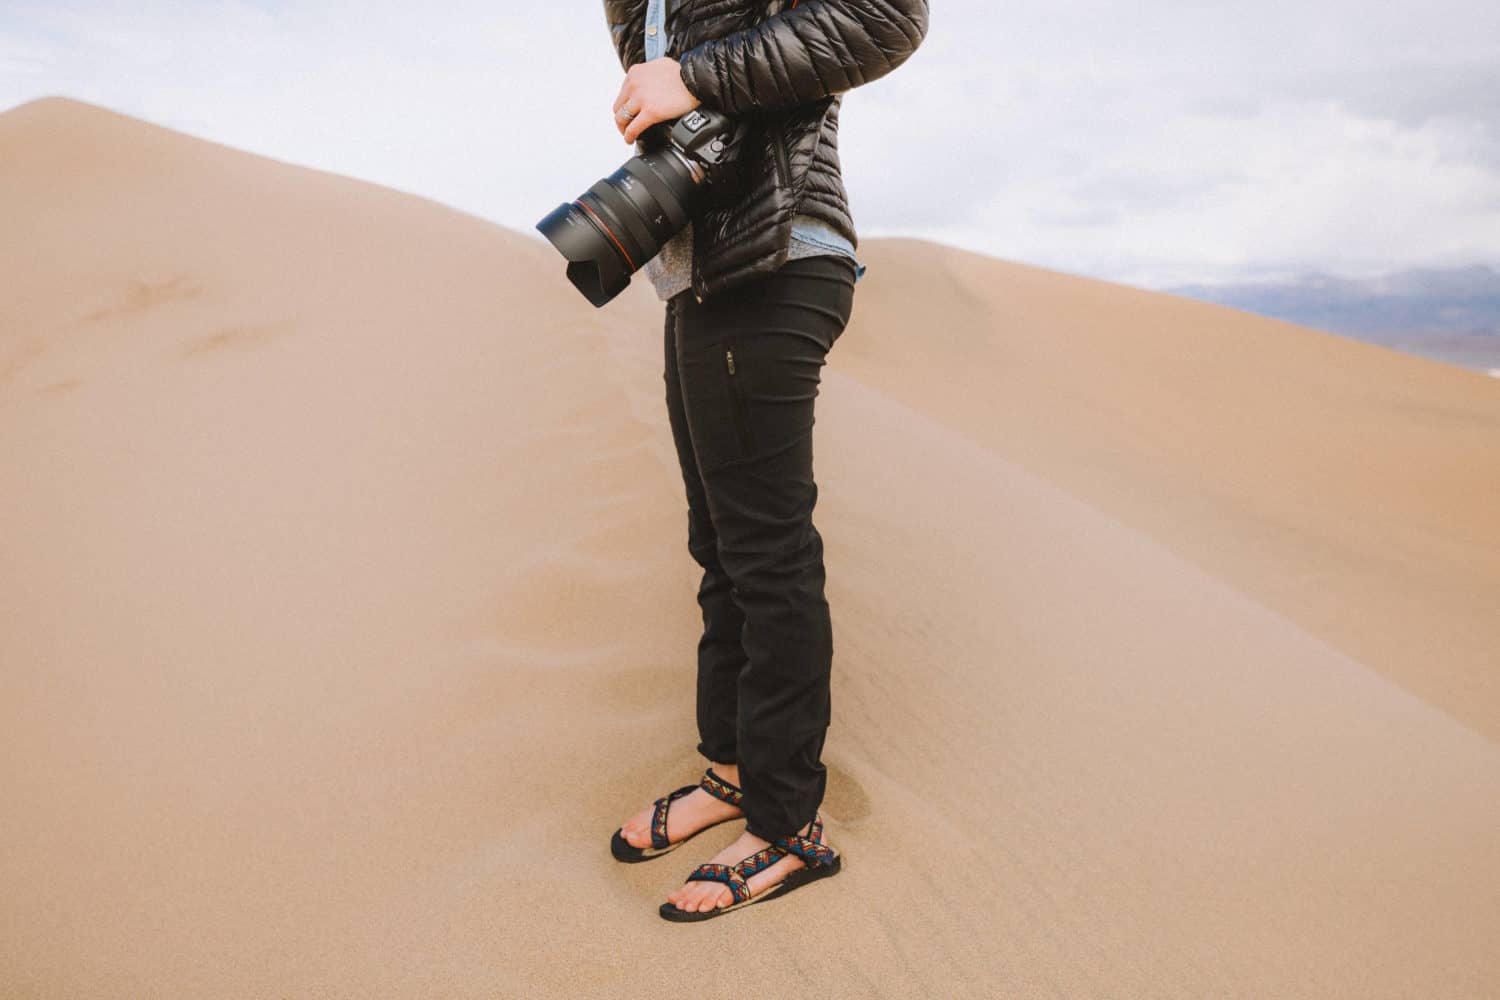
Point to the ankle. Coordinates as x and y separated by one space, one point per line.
729 772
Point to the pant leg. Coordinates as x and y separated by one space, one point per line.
749 361
720 655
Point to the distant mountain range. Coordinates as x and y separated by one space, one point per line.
1450 314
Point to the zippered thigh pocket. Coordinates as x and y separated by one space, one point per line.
739 408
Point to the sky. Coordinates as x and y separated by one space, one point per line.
1151 143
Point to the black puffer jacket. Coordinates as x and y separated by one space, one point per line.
782 65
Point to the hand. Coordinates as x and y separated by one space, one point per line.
652 92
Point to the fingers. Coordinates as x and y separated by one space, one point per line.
626 101
634 98
632 127
642 121
621 100
655 92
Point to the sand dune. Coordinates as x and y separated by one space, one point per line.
347 610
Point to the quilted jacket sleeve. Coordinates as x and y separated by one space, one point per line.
809 51
626 19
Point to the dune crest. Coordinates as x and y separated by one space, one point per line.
348 610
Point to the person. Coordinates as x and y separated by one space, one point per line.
757 288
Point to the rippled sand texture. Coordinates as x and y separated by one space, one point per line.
345 610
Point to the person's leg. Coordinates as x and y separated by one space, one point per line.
749 363
720 655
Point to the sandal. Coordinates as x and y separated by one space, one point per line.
821 860
624 850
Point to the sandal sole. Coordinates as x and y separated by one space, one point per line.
794 881
624 850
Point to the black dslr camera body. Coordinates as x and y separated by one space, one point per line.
621 222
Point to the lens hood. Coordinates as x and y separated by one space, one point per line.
594 267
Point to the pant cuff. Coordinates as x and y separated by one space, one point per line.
719 753
770 834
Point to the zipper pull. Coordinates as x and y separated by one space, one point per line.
729 357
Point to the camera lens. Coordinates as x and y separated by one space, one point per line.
621 222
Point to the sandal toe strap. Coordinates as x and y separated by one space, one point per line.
738 887
725 791
659 816
759 861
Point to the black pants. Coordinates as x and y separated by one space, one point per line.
742 375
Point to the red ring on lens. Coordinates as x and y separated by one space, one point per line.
608 233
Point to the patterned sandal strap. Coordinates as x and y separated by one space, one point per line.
759 861
738 887
720 789
659 816
810 848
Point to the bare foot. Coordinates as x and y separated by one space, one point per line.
687 815
693 896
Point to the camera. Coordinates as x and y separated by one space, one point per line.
620 223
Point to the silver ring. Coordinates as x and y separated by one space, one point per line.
624 115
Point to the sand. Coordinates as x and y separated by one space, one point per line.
347 610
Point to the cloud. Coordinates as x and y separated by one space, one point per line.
1158 145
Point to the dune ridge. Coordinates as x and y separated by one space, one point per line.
342 548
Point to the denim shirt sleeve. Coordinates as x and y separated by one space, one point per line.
656 29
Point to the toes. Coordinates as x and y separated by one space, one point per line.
636 832
709 898
699 897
